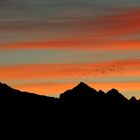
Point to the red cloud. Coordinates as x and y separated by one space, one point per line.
99 33
54 71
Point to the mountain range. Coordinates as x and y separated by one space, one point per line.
81 107
82 95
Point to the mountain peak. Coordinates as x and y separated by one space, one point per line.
114 93
81 90
1 84
101 92
4 86
114 90
133 99
83 87
82 84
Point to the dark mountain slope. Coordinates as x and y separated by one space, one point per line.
81 110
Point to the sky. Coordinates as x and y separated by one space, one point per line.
47 47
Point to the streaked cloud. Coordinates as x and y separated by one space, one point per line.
64 30
73 71
50 46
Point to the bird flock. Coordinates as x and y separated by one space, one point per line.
101 71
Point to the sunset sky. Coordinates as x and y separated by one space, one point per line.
49 46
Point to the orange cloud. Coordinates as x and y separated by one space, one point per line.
100 34
112 68
61 72
83 43
123 23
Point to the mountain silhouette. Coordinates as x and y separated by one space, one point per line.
80 96
81 107
81 90
113 93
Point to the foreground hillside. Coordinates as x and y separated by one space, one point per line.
80 108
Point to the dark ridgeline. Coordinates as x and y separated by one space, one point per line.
81 108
